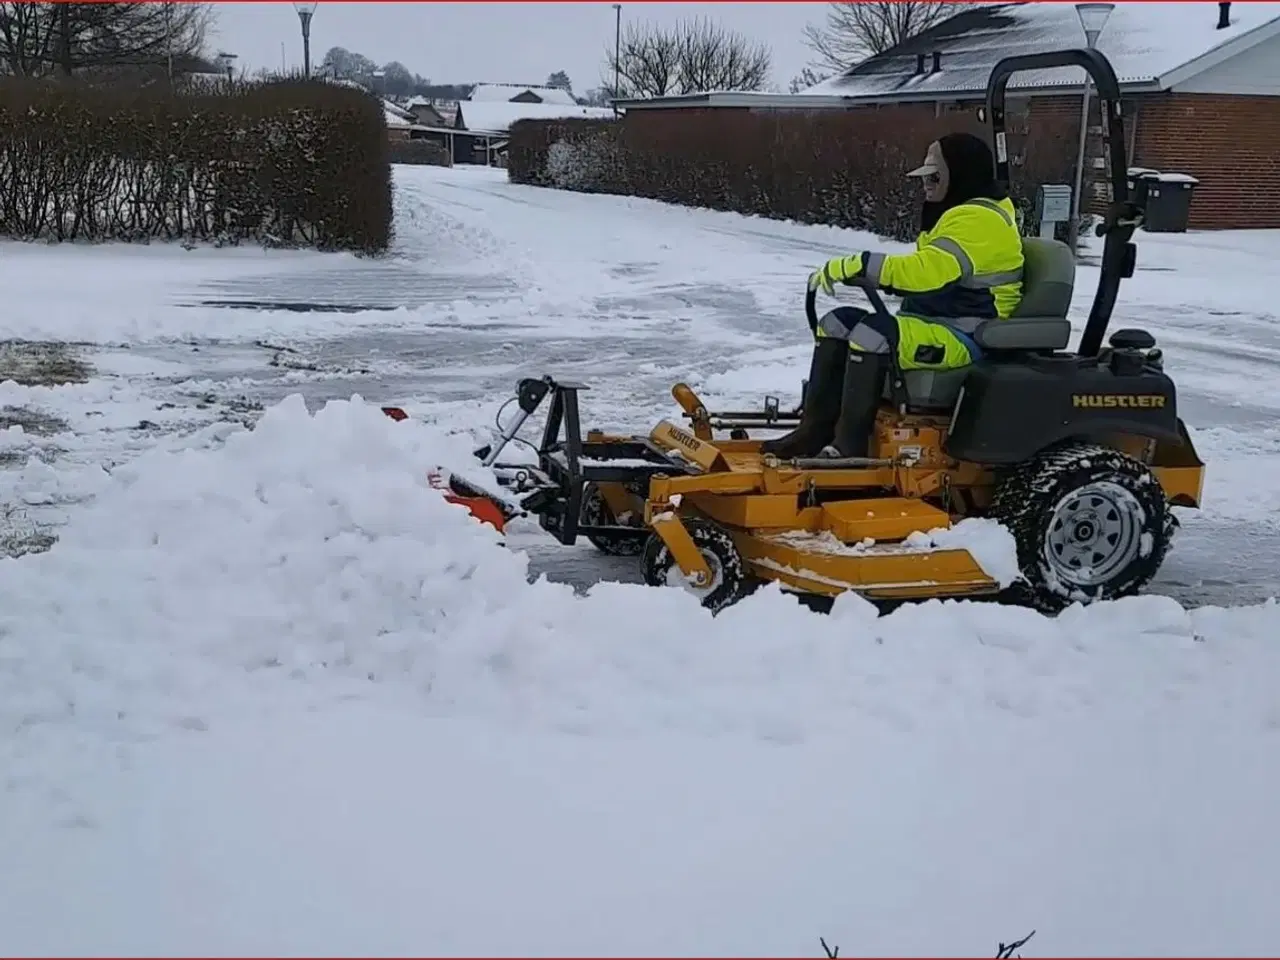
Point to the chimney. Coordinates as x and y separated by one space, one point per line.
937 61
919 64
1224 16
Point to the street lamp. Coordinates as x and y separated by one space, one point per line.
227 61
305 12
617 48
1093 18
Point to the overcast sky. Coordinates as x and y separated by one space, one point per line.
495 42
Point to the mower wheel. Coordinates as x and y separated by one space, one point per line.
729 579
595 512
1091 523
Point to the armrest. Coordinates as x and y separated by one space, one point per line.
1024 333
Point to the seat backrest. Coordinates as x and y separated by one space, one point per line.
1048 278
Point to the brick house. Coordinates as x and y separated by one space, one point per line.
1200 81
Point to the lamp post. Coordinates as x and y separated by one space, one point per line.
617 49
1093 18
228 63
305 12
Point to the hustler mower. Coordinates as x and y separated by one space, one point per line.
1080 456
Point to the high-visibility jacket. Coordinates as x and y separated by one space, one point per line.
967 269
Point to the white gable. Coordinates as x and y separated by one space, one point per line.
504 92
497 117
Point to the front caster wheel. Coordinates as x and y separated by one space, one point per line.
595 512
729 579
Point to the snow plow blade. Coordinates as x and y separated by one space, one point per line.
482 505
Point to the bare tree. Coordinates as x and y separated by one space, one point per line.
805 79
855 31
692 57
39 39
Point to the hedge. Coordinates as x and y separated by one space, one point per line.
421 153
288 163
845 168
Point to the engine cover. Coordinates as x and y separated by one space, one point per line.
1008 412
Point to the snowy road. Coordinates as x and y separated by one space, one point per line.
268 694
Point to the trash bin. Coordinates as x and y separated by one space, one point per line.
1139 180
1169 203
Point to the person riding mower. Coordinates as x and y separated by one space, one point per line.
1070 463
967 268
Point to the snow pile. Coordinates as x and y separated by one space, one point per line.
988 542
214 613
314 547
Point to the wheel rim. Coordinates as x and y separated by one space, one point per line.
1094 533
675 578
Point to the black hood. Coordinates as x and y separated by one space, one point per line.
971 170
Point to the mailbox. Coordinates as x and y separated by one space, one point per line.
1053 206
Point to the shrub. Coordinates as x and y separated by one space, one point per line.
845 168
421 153
287 163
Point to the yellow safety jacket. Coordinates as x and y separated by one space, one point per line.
967 269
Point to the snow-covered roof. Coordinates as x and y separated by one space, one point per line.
1147 43
497 92
342 82
497 117
394 109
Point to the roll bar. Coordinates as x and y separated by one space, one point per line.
1119 255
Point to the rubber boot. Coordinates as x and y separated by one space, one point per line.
820 406
863 386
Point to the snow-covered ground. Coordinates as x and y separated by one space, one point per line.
268 693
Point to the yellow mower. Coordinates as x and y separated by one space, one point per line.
1080 456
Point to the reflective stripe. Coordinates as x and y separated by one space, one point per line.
992 205
969 279
989 280
872 264
830 326
957 251
868 339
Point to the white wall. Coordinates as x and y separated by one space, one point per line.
1256 72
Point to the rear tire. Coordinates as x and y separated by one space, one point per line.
730 582
595 511
1091 523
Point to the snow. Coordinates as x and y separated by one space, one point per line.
497 117
394 110
277 631
987 541
1143 41
503 92
270 693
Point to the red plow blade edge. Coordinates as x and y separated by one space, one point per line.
480 507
